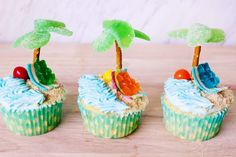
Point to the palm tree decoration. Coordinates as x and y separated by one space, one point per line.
198 35
40 36
36 39
119 33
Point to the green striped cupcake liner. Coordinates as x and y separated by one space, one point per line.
33 122
109 125
190 127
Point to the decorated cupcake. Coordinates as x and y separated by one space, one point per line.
31 99
111 104
194 105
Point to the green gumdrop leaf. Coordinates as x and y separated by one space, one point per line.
62 31
44 73
141 35
217 35
104 41
121 30
198 34
33 40
179 34
43 24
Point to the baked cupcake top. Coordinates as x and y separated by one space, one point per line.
34 86
197 93
114 91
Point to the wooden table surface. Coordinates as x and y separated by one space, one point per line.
151 65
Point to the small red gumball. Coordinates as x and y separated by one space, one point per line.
182 74
21 73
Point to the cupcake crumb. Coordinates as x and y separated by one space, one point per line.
220 100
53 95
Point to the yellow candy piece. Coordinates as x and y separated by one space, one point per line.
107 76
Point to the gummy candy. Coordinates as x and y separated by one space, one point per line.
117 30
104 41
141 35
51 26
207 76
127 85
121 30
33 40
41 36
198 34
217 35
44 73
62 31
179 34
42 24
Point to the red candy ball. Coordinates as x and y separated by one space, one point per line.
182 74
21 73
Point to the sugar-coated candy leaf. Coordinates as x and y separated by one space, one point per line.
33 40
44 73
104 41
117 30
141 35
62 31
198 34
51 26
217 35
43 24
121 30
41 36
179 34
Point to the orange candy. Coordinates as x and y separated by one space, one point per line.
182 74
127 85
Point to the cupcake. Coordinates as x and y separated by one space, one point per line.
31 99
111 104
194 105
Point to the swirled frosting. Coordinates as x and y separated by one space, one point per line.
185 96
15 95
94 92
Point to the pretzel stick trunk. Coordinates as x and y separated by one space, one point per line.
197 51
36 54
118 57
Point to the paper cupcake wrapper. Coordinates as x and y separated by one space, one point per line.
33 122
192 128
109 125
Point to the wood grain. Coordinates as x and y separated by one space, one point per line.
151 65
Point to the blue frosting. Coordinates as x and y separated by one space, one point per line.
185 96
207 76
15 95
94 92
